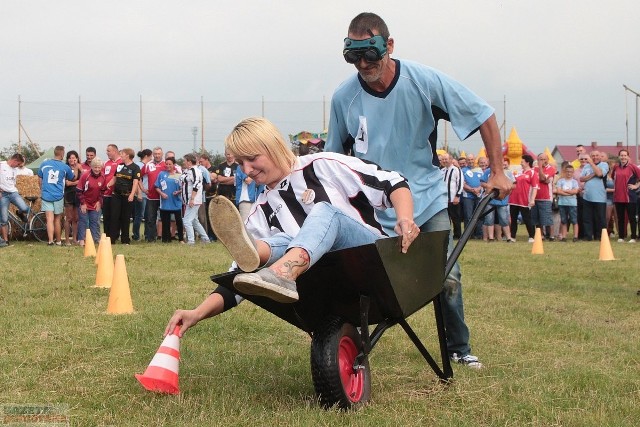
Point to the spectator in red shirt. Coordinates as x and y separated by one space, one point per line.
626 181
541 212
109 171
523 197
151 170
90 187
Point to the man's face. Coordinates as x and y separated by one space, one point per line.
15 163
372 72
568 173
229 157
543 160
471 160
595 156
462 162
204 162
483 163
112 153
580 150
157 155
90 155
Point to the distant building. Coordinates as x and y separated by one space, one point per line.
568 152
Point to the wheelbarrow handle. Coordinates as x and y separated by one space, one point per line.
478 214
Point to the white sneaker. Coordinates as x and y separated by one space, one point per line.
530 239
620 240
632 240
468 360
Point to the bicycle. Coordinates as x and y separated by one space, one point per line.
36 223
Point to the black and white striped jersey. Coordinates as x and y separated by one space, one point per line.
356 187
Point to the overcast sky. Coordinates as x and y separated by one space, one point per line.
81 67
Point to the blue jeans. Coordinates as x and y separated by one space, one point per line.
138 214
151 219
452 305
325 229
468 206
6 200
90 220
191 224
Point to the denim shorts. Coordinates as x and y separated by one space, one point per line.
568 214
541 213
503 216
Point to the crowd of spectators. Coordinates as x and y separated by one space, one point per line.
587 195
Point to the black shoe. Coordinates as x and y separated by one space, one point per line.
22 216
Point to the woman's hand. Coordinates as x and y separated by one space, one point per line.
183 318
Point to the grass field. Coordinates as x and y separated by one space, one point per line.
558 334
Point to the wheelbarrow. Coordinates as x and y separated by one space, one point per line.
349 290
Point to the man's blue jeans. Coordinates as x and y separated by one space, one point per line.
138 214
452 305
468 206
6 200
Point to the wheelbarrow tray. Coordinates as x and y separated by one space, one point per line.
396 284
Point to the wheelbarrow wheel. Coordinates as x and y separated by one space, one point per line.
337 381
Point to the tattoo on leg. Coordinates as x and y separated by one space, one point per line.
288 267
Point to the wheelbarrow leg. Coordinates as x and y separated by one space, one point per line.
442 337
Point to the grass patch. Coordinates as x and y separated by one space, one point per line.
558 334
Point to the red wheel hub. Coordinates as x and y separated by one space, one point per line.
352 379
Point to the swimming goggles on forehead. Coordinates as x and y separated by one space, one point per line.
372 49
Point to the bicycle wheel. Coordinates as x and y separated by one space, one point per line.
38 227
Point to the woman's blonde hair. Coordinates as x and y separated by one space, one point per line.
257 135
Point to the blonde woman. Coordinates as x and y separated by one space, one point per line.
311 205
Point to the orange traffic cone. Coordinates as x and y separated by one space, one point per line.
104 275
606 253
537 248
102 237
120 295
89 246
162 373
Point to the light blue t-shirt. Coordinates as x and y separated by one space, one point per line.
54 173
168 184
566 185
397 129
594 189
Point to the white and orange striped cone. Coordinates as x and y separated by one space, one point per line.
162 373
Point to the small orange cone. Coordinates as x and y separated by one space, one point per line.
537 248
104 275
89 246
162 373
120 295
102 237
606 253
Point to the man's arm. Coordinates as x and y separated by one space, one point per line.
490 134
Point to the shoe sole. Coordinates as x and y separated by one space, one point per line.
228 227
254 285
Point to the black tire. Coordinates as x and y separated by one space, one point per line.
334 348
39 227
